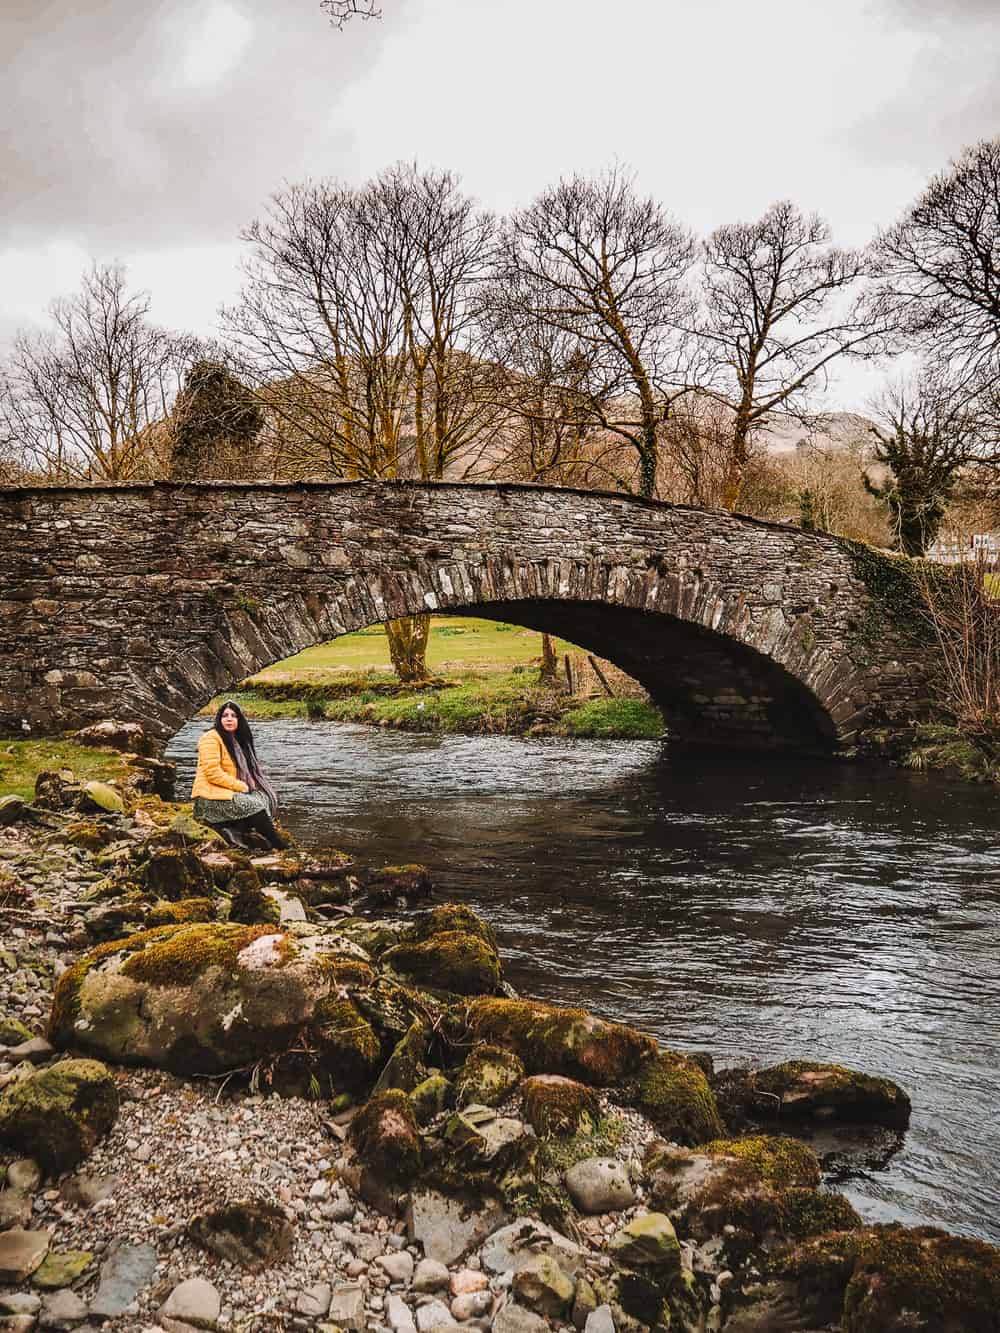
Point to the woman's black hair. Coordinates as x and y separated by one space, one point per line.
242 733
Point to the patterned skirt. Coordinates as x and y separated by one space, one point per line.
241 805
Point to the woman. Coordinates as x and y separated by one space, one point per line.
231 791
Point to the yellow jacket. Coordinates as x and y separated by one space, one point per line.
215 778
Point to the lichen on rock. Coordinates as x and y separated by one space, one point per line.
58 1114
488 1075
550 1039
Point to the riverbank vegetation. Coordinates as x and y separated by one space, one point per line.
22 761
484 678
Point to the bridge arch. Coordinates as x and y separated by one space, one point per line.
143 602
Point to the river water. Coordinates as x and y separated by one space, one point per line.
760 909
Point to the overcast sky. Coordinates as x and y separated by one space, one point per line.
151 131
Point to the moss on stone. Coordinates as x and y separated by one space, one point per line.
386 1137
945 1282
805 1086
452 960
348 1050
250 905
488 1075
180 956
774 1159
185 912
447 918
174 873
346 970
57 1115
431 1097
90 835
553 1040
556 1105
674 1093
406 1066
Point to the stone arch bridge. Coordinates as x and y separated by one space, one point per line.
141 602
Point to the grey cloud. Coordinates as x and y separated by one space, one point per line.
106 143
952 93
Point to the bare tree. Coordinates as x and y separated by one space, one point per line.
593 260
359 318
83 399
342 11
777 314
939 266
930 429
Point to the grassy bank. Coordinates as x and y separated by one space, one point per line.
22 761
482 703
484 679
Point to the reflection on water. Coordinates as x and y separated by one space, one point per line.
758 909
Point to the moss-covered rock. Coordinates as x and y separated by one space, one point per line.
923 1279
348 1050
13 1031
557 1105
889 1278
200 998
648 1241
387 1139
488 1076
90 835
247 1232
183 913
807 1088
454 961
447 918
434 1095
250 905
407 1065
174 873
58 1114
481 1141
763 1187
674 1093
550 1039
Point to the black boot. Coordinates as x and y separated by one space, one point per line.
231 835
264 825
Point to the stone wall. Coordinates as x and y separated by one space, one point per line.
141 602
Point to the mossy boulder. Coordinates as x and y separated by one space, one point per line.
648 1241
431 1097
247 1232
348 1050
58 1114
557 1105
674 1093
923 1279
454 960
886 1279
174 873
386 1137
90 835
806 1088
763 1187
550 1039
488 1076
183 913
407 1065
481 1141
200 998
446 918
250 904
13 1032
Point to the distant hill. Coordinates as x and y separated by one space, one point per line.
834 430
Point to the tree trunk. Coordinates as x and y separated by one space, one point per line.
408 646
549 665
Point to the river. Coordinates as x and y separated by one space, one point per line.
760 909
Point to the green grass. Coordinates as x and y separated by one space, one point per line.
22 761
453 643
476 703
635 719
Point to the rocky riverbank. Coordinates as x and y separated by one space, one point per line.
293 1092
